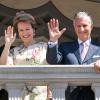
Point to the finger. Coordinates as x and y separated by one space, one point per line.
48 26
12 34
97 67
9 30
63 30
51 23
57 23
49 29
54 23
97 63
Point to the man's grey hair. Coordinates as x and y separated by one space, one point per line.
83 15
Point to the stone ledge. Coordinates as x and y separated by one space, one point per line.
43 74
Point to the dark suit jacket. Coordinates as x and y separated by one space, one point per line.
68 53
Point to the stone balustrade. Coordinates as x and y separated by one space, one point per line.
15 78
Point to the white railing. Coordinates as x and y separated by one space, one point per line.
15 78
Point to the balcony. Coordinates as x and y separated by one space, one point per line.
15 78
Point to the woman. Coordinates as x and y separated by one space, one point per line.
29 52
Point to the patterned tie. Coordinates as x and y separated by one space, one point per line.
83 51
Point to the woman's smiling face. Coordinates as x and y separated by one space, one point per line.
26 32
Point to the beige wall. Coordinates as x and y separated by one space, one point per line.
67 7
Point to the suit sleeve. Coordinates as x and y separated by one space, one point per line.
53 56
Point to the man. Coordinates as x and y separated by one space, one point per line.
82 51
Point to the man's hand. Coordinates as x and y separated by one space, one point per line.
97 66
54 32
9 36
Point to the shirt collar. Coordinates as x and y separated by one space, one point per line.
87 42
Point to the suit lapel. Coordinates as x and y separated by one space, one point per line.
91 51
77 53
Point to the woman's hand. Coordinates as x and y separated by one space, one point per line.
9 36
9 39
54 32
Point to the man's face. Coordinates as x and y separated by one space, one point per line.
83 28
